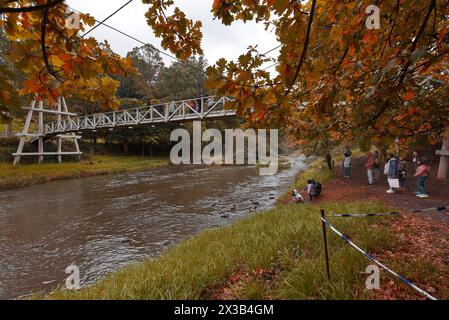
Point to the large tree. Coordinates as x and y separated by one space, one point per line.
149 65
53 55
334 74
8 93
182 80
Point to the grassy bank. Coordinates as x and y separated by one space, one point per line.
277 254
317 171
25 175
273 255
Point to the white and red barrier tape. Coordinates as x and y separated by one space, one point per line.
427 295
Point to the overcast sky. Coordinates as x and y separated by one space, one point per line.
218 40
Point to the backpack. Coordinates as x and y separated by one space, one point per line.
317 189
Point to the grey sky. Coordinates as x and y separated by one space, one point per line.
218 40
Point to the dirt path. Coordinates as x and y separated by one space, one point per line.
357 188
421 253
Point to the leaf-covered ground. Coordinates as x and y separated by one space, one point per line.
418 250
421 253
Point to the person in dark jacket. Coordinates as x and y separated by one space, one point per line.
416 161
402 172
391 169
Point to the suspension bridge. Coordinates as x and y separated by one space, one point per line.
68 125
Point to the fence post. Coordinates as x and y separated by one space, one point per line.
326 252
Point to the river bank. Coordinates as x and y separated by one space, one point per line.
105 223
273 255
421 246
276 254
30 174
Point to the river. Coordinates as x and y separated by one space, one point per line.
104 223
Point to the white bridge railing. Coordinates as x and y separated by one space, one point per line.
176 111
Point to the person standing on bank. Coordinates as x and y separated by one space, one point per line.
391 170
402 172
347 165
377 162
416 161
369 165
422 173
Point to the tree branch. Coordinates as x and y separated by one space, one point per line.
306 45
415 41
49 4
44 48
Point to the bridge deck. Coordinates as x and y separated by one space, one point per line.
186 110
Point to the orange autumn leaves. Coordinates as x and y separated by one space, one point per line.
180 35
84 66
351 78
389 81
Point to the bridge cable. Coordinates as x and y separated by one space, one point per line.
140 41
152 46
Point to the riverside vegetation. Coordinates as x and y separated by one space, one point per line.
277 254
25 175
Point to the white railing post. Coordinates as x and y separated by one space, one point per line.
41 131
59 138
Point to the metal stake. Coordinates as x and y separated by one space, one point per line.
326 252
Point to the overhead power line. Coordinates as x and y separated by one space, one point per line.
107 18
99 23
271 50
102 23
270 66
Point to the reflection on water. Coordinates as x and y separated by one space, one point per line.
104 223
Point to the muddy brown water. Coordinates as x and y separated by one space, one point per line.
105 223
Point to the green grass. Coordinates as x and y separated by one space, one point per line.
317 171
17 126
28 174
287 239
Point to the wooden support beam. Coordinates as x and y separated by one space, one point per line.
42 154
29 135
60 111
59 121
444 153
66 136
41 130
52 112
75 142
25 131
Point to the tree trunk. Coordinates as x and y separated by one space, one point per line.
9 133
126 147
143 149
443 170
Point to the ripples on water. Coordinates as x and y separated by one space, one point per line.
104 223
